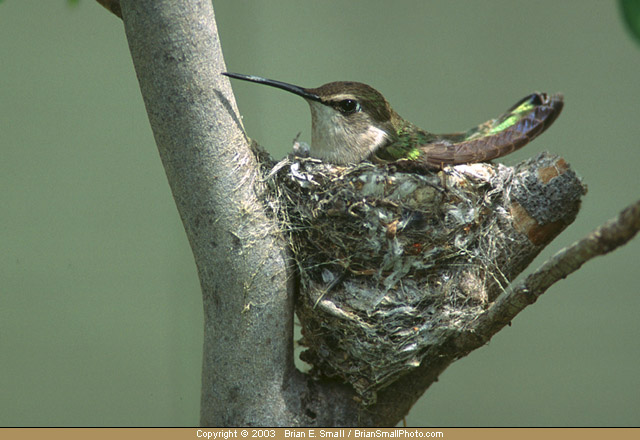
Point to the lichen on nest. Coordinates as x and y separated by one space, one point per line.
390 262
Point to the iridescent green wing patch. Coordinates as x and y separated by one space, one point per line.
498 137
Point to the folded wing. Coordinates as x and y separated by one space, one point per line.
518 126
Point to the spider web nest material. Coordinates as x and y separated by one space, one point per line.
392 263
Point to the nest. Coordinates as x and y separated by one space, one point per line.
390 263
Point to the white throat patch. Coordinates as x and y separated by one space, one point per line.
334 140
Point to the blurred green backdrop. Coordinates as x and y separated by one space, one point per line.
100 311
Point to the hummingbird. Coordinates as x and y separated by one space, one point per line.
352 122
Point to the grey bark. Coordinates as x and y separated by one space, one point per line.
248 375
239 253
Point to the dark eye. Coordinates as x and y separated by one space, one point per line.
348 106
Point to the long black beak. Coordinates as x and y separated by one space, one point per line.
280 85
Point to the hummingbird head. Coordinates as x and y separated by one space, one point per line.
349 120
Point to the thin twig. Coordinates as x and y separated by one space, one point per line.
604 239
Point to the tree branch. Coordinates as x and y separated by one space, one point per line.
604 239
239 251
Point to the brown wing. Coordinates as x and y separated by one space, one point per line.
498 137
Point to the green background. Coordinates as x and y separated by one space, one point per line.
100 310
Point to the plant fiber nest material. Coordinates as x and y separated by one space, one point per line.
393 264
